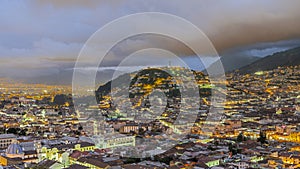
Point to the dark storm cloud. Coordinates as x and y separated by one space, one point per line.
49 34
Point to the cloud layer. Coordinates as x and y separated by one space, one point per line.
41 37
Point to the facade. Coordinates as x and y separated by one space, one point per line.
56 153
6 161
212 163
114 140
6 140
129 128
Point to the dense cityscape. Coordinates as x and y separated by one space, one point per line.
260 128
139 84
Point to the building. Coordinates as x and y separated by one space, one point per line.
113 140
129 128
6 140
57 152
14 154
92 162
49 164
14 150
6 161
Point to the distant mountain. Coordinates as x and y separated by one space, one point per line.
235 61
61 78
289 57
64 77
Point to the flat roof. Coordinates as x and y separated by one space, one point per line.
6 136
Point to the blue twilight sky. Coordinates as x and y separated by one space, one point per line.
44 37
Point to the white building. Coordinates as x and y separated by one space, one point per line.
6 140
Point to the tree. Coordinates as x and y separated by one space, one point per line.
216 142
232 149
262 137
240 138
166 160
23 132
61 99
12 131
141 131
76 132
2 130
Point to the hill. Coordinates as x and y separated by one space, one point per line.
232 62
289 57
141 83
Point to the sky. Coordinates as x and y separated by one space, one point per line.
39 38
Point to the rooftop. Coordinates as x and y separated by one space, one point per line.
6 136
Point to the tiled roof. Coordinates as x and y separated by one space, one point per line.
72 146
46 163
93 161
77 166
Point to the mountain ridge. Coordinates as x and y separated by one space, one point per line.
289 57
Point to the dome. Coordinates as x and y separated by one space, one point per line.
14 148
